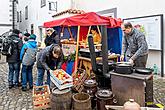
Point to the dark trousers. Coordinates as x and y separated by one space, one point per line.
13 76
141 61
27 75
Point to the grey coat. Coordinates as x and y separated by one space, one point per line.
45 59
135 44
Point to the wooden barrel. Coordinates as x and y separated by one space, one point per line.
61 99
81 101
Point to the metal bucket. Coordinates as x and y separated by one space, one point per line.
61 99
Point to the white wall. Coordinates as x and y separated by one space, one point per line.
125 9
129 9
4 16
38 15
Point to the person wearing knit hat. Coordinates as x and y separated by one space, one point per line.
33 36
28 61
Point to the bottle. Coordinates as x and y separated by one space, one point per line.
131 105
155 68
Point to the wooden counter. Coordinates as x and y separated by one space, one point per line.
85 63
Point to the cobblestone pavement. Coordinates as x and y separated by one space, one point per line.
15 99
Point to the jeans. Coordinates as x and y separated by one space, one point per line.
27 75
40 77
13 76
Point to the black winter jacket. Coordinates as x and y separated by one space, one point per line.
16 48
52 39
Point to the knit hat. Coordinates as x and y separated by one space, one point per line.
33 36
16 31
26 34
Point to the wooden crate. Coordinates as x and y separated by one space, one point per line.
78 86
41 97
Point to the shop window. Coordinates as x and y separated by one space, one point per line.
26 12
53 6
43 3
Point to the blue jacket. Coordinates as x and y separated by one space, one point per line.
29 44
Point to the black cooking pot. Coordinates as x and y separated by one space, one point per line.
111 65
123 68
142 70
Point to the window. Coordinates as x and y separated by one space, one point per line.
43 3
53 6
17 16
20 16
26 12
32 28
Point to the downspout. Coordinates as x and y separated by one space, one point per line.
13 14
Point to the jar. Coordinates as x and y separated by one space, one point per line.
131 105
105 97
90 87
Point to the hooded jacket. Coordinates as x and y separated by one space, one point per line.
29 44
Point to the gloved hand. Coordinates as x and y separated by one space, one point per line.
122 58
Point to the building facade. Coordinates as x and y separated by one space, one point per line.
6 16
40 11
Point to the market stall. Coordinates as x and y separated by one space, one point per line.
76 38
74 32
78 28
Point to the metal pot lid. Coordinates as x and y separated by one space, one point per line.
124 64
143 70
104 93
90 83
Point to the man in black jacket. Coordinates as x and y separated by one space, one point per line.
50 58
51 37
13 59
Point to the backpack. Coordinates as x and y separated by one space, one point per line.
7 46
29 56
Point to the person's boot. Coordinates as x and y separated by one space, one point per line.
11 86
30 87
24 88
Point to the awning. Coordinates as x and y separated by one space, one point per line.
86 19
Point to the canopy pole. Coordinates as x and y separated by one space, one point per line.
77 46
88 33
98 30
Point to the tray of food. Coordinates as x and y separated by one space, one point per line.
60 76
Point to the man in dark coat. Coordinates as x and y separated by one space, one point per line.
51 37
50 58
13 60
